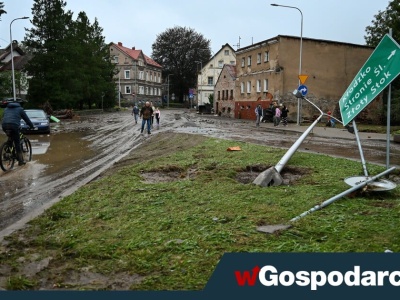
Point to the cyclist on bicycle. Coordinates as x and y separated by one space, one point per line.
12 122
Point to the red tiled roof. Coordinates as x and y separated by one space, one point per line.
133 53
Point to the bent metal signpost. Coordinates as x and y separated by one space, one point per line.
382 67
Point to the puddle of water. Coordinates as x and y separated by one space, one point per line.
52 156
60 151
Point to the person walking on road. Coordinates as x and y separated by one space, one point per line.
259 114
157 114
152 115
135 113
145 113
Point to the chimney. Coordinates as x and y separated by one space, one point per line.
133 48
119 44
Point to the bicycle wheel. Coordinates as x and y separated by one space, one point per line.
26 149
7 158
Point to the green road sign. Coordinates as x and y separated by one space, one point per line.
381 68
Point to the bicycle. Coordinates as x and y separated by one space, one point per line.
8 155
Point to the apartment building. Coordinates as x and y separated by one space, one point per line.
269 70
138 78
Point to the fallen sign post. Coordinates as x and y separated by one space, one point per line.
272 176
361 184
381 68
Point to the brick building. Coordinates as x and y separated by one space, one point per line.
269 70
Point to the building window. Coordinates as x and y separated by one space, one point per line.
141 75
243 59
242 87
258 58
249 60
127 74
141 90
258 86
219 95
232 62
220 63
146 90
226 52
266 56
210 80
223 94
248 87
116 59
128 89
265 85
231 97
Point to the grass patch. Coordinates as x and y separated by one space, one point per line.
171 234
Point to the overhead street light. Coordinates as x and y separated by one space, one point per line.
301 50
12 56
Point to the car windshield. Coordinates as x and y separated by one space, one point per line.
36 114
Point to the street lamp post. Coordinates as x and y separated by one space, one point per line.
168 89
301 50
12 56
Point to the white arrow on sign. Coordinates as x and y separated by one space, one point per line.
392 54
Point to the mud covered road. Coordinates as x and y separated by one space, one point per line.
79 150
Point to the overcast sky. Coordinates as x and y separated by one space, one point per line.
137 23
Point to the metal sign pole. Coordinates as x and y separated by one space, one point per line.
360 149
388 120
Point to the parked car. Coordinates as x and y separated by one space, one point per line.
39 119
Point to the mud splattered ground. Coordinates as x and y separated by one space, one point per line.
87 147
112 141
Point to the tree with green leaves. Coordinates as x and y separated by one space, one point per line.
180 50
94 69
2 11
383 22
70 67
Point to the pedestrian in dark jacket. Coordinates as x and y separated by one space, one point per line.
284 115
135 112
12 122
259 114
145 113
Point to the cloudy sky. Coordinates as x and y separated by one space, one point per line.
137 23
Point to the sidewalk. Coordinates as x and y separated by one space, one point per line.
332 132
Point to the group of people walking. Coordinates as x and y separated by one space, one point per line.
279 114
147 113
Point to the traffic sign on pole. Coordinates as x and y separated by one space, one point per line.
303 78
381 68
303 90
